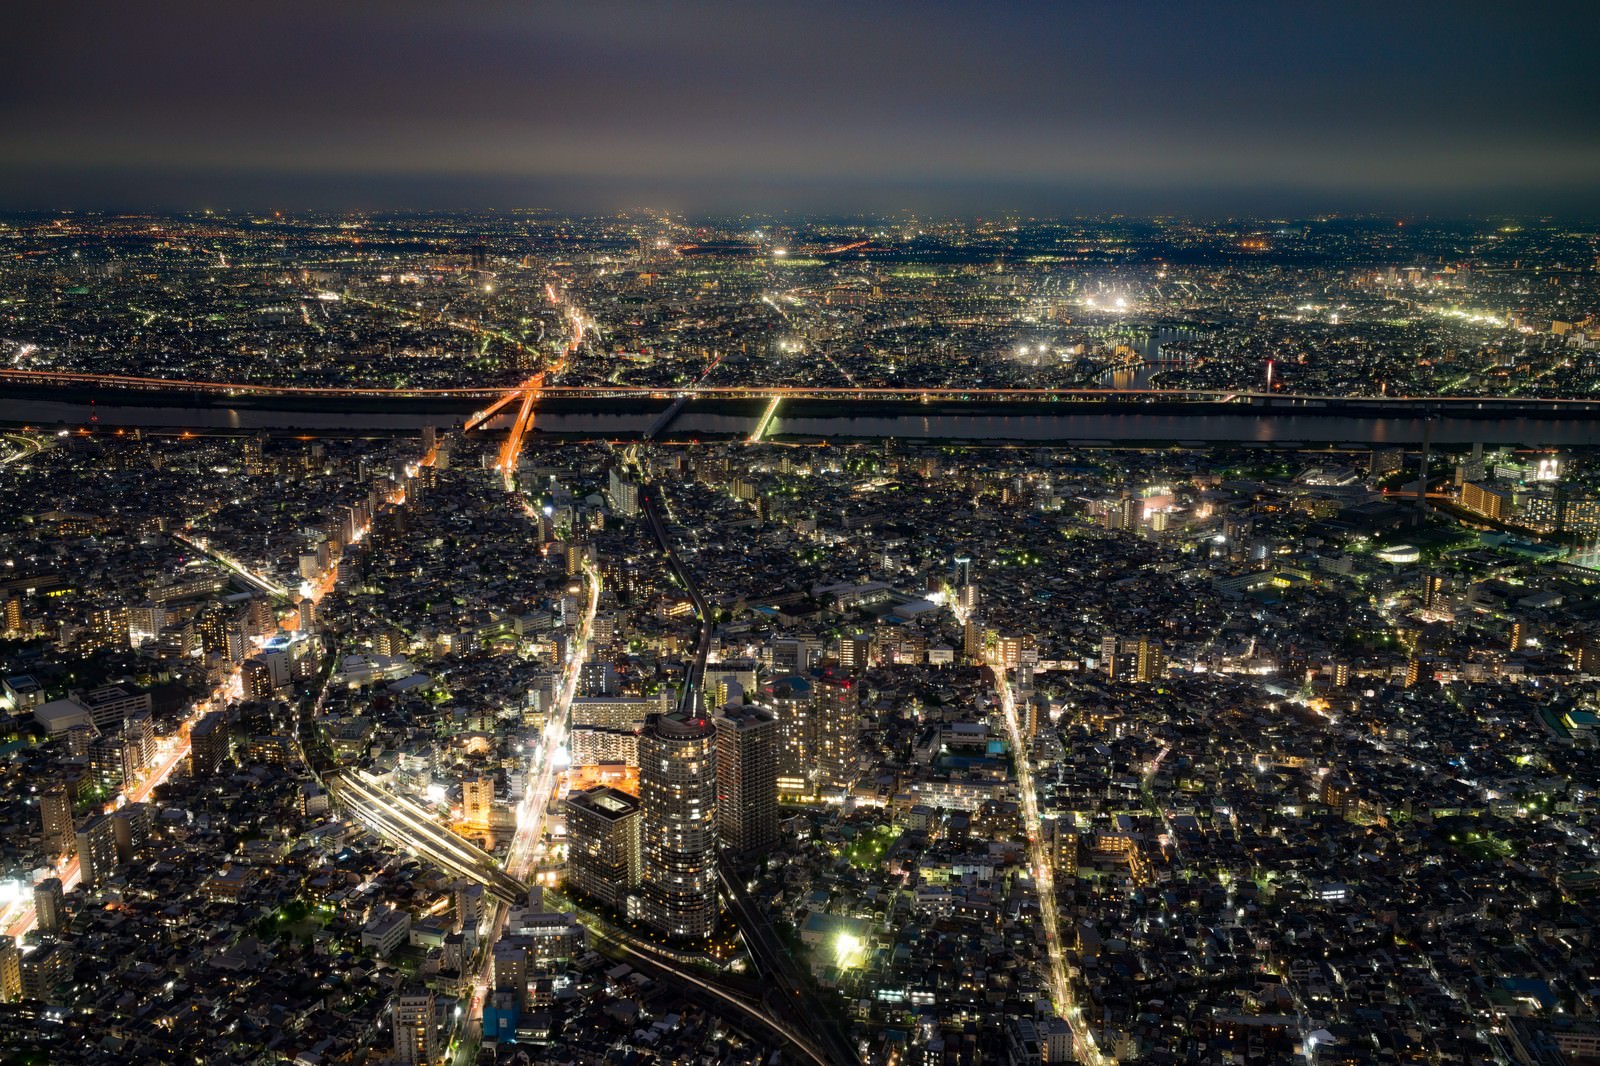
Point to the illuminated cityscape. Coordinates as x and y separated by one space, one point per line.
869 608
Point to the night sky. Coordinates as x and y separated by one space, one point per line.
1062 108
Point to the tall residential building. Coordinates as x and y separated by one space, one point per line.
469 908
678 800
10 970
254 462
256 680
747 779
97 849
624 494
1130 511
208 744
1433 591
50 904
1133 658
44 970
1487 500
477 800
139 742
108 627
511 968
1589 654
55 811
1561 508
966 589
972 639
414 1038
110 762
130 829
1151 664
1111 656
836 709
790 700
855 651
603 856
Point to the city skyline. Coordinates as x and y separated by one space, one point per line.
799 534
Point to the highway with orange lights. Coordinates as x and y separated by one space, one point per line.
530 391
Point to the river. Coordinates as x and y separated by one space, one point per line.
1149 348
1208 424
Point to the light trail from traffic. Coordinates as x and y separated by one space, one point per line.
25 447
1042 862
530 391
175 748
535 799
523 852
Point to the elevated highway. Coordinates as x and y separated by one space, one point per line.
407 824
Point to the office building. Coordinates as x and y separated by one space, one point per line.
747 779
795 655
677 800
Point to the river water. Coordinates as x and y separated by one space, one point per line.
1148 345
1209 425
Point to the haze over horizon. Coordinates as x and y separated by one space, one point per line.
1046 108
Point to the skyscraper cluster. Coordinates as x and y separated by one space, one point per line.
708 793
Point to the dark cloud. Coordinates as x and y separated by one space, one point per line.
1130 104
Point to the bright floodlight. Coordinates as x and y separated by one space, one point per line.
848 950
